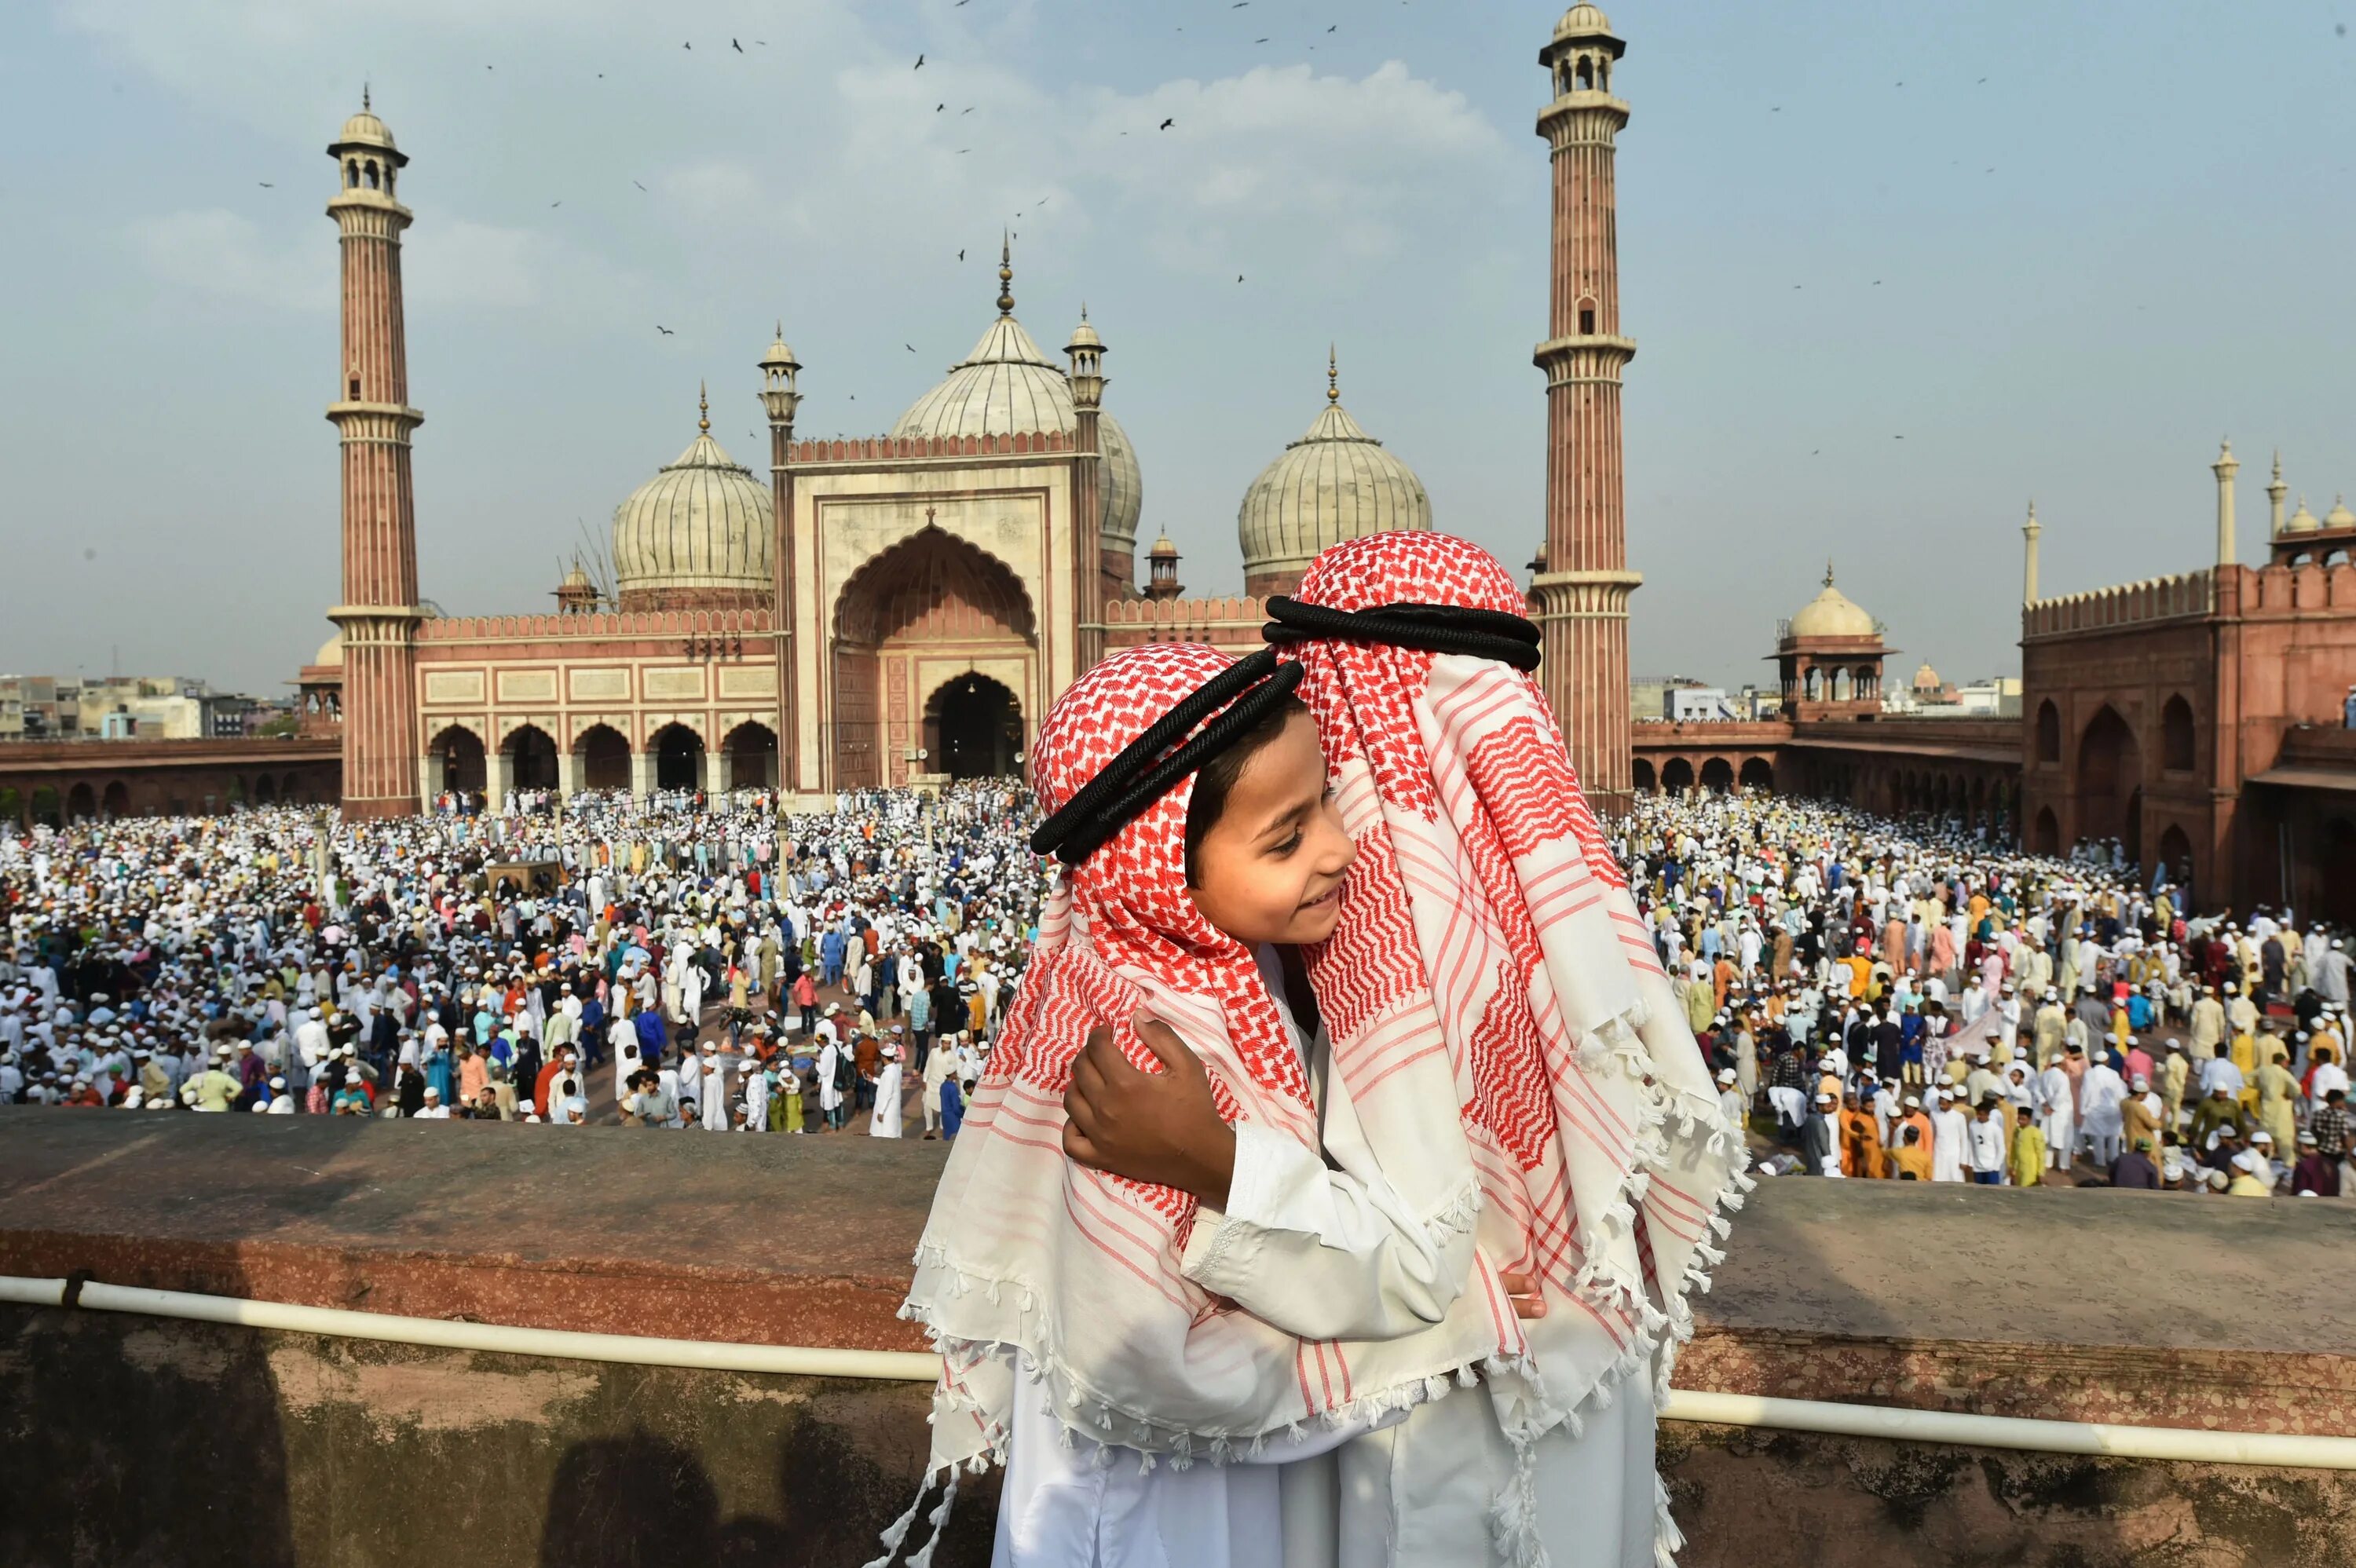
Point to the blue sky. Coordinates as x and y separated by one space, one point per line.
2065 281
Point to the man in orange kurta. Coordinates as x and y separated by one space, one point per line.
1860 1140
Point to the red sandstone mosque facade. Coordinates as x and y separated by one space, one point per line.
872 612
906 605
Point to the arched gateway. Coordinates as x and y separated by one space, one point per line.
913 627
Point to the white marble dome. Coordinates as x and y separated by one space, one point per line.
1335 483
701 526
1008 387
1832 613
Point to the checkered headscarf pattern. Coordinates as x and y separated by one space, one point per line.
1483 881
1078 1273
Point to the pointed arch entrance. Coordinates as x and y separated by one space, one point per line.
2110 782
973 728
531 758
914 619
458 762
679 758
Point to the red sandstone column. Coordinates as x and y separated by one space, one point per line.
1088 592
378 611
1579 595
780 397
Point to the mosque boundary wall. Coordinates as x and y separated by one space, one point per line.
2134 1308
61 781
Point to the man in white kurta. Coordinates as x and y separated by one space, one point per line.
714 1103
2058 1112
1949 1131
2100 1097
885 1121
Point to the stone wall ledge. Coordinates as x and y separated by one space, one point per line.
2144 1308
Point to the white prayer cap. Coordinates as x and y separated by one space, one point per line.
2262 1137
2246 1160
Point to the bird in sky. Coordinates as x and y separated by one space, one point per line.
1335 24
1167 124
909 347
966 110
938 107
1777 110
640 187
960 255
920 65
554 205
1259 41
666 331
687 46
1239 277
265 185
737 47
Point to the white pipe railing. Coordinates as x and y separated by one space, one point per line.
2101 1439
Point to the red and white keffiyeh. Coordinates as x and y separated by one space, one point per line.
1078 1272
1484 894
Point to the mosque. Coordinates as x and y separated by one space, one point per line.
867 612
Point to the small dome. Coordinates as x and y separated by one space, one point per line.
1084 336
1335 483
1832 613
1163 549
2301 521
702 524
780 354
1582 18
365 132
1926 678
1008 387
2340 517
576 577
331 652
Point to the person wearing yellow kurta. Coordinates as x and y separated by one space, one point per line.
2207 1025
2244 1054
2027 1166
2277 1093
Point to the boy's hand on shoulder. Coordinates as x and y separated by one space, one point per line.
1162 1127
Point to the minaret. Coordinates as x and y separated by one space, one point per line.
2275 491
378 613
2030 530
2224 468
780 398
1579 596
1089 571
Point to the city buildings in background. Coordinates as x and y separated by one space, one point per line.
126 708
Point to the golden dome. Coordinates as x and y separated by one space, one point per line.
1832 613
1580 19
2340 517
331 652
2301 521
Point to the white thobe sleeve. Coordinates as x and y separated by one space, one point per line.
1319 1252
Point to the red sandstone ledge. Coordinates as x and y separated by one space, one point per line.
2154 1308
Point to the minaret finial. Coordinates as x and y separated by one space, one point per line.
1333 376
703 408
1005 274
1828 571
364 97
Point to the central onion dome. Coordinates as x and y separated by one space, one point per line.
1335 483
1832 613
1007 387
697 534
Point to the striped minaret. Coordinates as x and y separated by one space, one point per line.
1579 594
378 612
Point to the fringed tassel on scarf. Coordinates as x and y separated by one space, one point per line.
1513 1514
897 1531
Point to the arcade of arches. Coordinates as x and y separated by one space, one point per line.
1977 793
923 633
60 784
602 758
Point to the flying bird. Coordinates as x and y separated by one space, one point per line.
1335 24
920 65
666 331
966 110
1239 277
640 187
737 47
909 347
938 107
1259 41
1167 124
554 205
960 255
265 185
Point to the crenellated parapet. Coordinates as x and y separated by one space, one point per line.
607 624
2310 585
1224 622
917 448
2185 595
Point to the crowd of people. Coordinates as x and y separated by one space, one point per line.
1910 1001
1879 999
736 969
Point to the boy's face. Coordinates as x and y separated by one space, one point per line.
1270 869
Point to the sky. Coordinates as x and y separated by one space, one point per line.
1892 271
